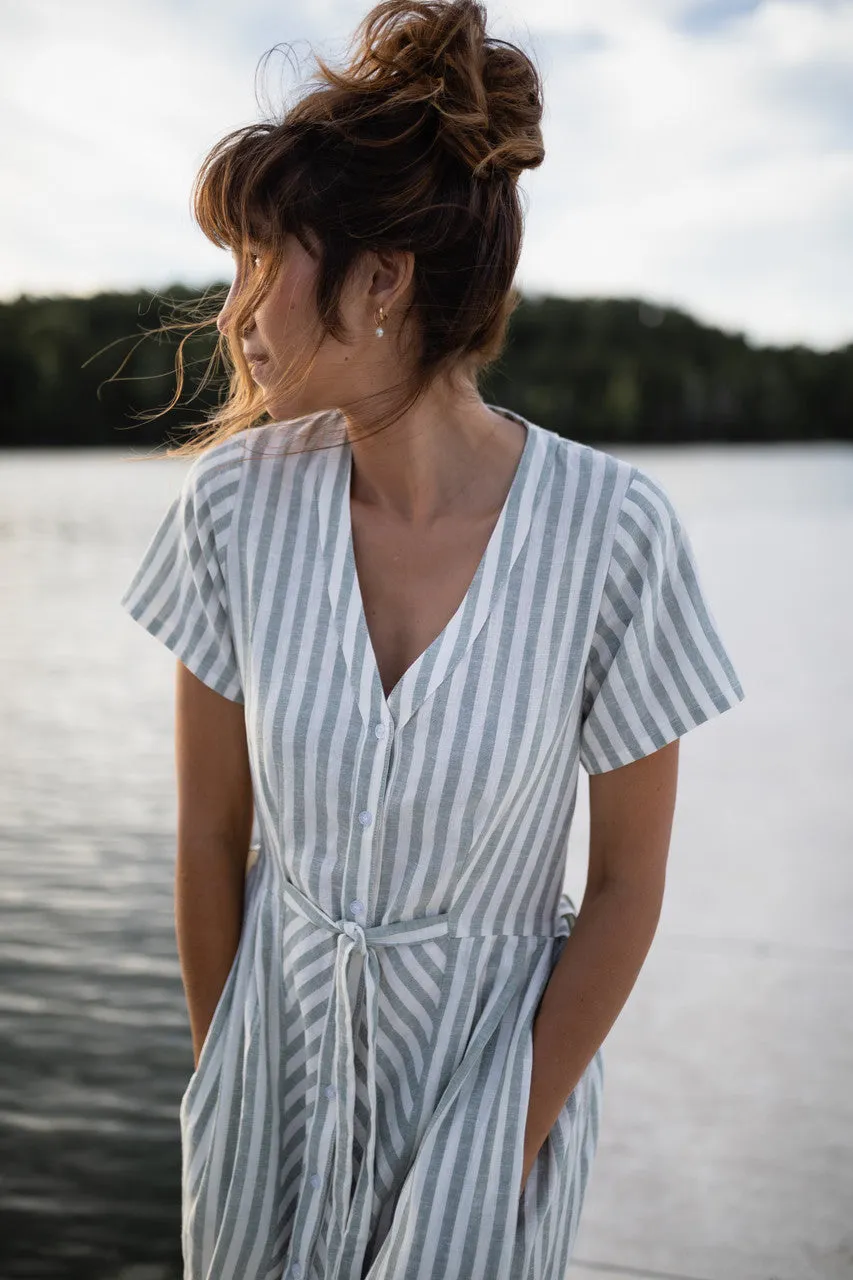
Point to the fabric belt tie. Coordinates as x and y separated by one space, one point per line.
352 1207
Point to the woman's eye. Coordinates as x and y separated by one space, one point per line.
253 258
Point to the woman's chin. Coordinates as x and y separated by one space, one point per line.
284 409
299 404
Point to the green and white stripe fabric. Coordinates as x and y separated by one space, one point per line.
359 1105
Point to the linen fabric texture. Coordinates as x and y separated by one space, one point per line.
359 1105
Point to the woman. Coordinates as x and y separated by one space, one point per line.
394 653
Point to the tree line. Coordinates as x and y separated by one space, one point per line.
93 371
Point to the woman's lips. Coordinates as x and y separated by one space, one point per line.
256 364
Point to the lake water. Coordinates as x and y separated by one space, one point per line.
726 1147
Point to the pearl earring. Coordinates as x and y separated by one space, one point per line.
382 317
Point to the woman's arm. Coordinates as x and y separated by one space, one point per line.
631 814
215 812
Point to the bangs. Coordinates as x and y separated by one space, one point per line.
231 200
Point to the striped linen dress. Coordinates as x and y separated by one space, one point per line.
359 1105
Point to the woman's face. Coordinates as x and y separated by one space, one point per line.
284 328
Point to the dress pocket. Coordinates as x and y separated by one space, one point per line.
217 1139
211 1045
546 1174
544 1221
530 1195
212 1037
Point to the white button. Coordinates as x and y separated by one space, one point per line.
314 1179
365 817
330 1091
356 906
379 730
296 1270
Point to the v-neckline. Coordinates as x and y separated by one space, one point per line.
494 536
436 661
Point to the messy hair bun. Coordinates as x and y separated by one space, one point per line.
415 144
484 94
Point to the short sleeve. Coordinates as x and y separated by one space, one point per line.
657 665
178 592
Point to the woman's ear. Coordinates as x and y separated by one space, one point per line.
392 274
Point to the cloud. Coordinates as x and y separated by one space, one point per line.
713 172
697 153
711 15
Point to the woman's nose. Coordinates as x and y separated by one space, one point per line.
222 318
225 315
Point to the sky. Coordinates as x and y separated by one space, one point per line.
699 153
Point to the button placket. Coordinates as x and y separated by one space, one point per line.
381 731
366 816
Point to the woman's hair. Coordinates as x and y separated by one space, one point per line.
416 144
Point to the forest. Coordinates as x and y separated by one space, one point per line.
97 371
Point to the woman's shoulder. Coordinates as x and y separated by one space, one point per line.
259 457
609 477
608 503
593 476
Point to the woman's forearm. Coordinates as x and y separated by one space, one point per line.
209 889
590 983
